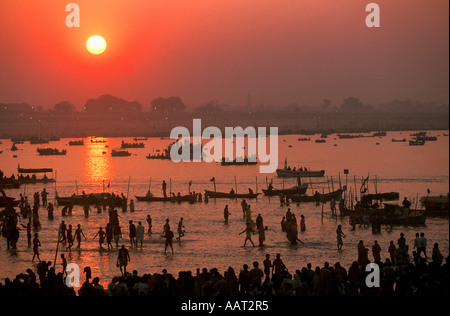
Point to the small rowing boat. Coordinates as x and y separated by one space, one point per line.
223 195
336 195
299 189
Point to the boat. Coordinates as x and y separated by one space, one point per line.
426 138
318 197
137 138
51 152
319 141
299 189
90 199
219 195
239 161
418 134
33 179
76 143
6 201
158 156
131 145
38 140
389 196
175 198
398 140
416 143
9 183
436 205
397 216
153 198
98 141
120 153
379 134
348 136
303 139
35 170
14 147
287 172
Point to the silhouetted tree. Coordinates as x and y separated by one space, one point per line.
108 103
64 106
167 105
351 104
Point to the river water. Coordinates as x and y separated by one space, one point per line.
409 170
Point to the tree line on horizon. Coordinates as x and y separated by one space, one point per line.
110 104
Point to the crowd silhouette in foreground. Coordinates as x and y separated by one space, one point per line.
418 278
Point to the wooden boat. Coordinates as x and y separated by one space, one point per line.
91 199
348 136
6 201
399 140
180 198
299 189
379 134
120 153
299 173
158 156
336 195
414 217
320 141
76 143
303 139
436 205
51 152
222 195
34 180
153 198
131 145
36 170
426 138
137 138
8 183
37 140
416 143
14 147
98 141
239 162
389 196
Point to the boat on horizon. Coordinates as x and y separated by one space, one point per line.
51 152
120 153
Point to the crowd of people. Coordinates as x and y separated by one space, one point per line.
272 278
400 274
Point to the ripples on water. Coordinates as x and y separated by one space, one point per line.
209 242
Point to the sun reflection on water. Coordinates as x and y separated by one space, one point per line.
98 167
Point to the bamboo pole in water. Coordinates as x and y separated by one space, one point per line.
128 190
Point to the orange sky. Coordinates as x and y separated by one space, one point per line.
200 50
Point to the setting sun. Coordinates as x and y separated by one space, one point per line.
96 44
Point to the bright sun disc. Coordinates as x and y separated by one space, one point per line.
96 44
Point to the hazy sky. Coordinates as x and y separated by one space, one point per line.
282 51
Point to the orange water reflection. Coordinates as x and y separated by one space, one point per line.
98 168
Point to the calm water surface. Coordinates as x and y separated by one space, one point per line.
409 170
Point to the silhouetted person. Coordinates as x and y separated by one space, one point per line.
122 259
